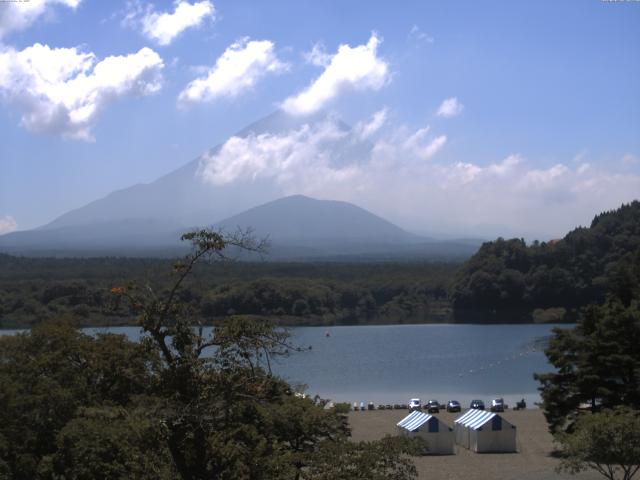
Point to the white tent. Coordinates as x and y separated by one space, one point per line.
460 429
438 435
484 432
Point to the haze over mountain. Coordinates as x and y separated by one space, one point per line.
147 219
182 198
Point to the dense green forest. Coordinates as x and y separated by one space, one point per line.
33 289
510 281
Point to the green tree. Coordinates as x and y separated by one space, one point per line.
597 365
386 459
608 442
48 374
109 443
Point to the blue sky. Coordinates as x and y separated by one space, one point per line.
543 113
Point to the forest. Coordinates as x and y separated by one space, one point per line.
35 289
506 281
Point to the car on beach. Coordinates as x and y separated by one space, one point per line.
477 405
414 404
453 406
433 406
497 405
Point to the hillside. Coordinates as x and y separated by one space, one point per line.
300 220
510 281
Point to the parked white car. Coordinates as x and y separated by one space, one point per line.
414 404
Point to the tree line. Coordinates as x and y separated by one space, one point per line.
505 281
508 280
33 289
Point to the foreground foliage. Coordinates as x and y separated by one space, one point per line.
608 442
178 404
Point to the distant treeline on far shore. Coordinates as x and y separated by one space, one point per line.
506 281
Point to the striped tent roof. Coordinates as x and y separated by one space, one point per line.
474 419
414 420
468 416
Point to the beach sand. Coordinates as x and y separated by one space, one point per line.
533 460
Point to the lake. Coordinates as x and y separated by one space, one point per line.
392 363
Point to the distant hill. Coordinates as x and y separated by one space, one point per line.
300 220
508 281
303 228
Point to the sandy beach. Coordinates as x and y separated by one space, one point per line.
532 461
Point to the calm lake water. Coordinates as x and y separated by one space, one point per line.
392 363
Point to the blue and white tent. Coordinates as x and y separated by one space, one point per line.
438 435
482 432
460 429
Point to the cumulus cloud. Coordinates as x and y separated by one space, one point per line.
303 152
63 90
236 70
7 224
358 68
400 177
16 16
164 27
450 108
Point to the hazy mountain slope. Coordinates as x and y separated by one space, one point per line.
183 198
300 220
147 219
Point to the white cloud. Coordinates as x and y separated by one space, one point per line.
63 90
236 70
392 178
583 167
318 56
16 16
7 224
506 167
415 143
417 34
358 67
433 147
450 108
296 155
164 27
541 179
367 129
